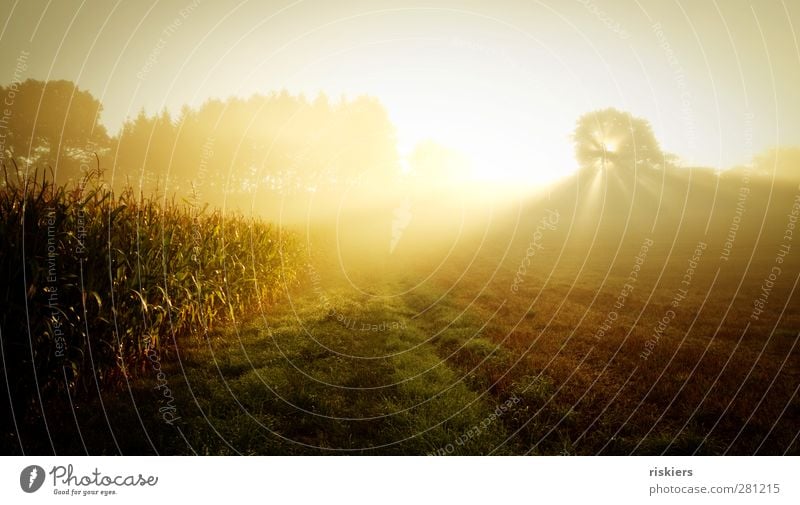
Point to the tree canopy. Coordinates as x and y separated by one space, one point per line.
780 162
52 123
279 142
612 139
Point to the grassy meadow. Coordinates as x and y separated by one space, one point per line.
585 320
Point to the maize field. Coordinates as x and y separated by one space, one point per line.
95 280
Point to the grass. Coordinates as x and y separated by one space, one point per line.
298 381
295 387
457 364
96 283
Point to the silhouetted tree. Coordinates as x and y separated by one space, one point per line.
610 138
53 123
782 162
224 149
366 139
139 155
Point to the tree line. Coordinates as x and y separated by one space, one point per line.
222 150
278 141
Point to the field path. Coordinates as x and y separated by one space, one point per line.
337 372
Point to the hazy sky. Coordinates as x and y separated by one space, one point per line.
502 80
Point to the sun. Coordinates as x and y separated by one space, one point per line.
517 167
501 148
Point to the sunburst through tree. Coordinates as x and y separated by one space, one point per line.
610 138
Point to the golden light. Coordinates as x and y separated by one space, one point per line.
480 159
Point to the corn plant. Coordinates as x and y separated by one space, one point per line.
94 280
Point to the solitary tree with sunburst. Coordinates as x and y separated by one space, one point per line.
612 139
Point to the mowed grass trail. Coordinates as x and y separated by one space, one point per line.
458 364
536 332
339 374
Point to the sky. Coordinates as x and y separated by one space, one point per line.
504 82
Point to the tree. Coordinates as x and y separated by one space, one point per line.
611 139
782 162
367 149
144 153
53 123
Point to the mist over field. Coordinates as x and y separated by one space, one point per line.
442 229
